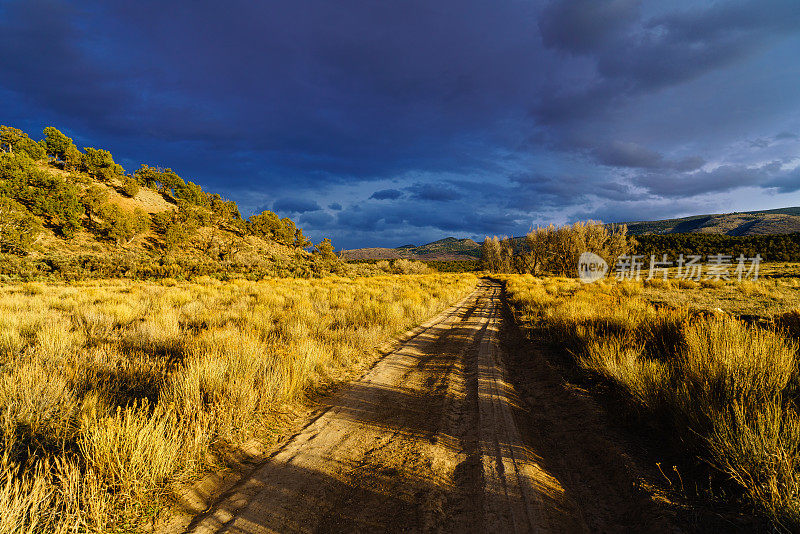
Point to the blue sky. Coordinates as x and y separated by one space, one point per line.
381 123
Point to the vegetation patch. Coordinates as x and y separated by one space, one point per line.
725 389
148 384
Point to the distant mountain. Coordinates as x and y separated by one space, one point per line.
445 249
777 221
765 222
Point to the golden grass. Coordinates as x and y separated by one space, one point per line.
727 388
764 298
114 393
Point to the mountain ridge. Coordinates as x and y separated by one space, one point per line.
741 223
777 221
446 249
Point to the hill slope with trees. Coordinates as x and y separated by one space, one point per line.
747 223
447 249
77 213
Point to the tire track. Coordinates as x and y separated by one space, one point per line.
427 441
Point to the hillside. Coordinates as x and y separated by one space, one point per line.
447 249
76 213
767 222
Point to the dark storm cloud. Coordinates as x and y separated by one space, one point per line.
541 190
788 182
378 218
619 154
433 192
634 55
387 194
316 219
295 79
722 178
494 113
648 210
580 26
295 205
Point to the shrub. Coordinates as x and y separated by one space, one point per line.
130 187
268 224
93 200
554 250
18 228
122 225
147 383
175 227
226 209
192 193
402 266
711 284
146 175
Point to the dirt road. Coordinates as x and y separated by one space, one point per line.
435 438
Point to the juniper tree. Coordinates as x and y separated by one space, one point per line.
15 140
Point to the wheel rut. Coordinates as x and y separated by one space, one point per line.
427 441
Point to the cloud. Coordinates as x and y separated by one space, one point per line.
632 55
433 192
787 182
387 194
681 45
295 205
722 178
483 115
620 154
535 190
316 219
642 210
580 26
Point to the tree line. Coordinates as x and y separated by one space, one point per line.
554 250
29 194
782 247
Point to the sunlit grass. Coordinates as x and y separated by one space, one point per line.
114 393
728 388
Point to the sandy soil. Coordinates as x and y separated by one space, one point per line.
436 438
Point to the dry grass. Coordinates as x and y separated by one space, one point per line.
726 388
763 298
114 393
